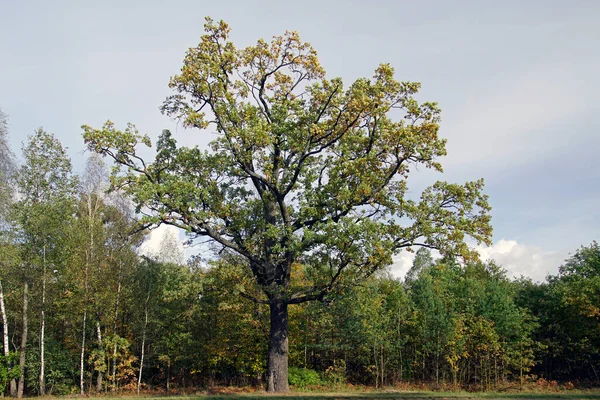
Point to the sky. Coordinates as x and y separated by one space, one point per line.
517 83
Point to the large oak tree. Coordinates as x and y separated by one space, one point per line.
303 173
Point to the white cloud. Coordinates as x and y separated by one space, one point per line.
517 259
522 259
164 244
401 264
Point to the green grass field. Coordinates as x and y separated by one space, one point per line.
387 395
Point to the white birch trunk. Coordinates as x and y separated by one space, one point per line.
143 342
23 349
42 380
4 322
13 383
82 355
99 337
114 360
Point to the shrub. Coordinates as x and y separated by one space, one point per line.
301 378
336 373
8 370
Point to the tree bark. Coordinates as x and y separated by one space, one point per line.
143 353
13 389
100 376
382 367
42 377
143 341
4 322
278 348
168 374
116 318
85 309
23 341
82 355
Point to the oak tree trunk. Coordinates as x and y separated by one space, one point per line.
278 348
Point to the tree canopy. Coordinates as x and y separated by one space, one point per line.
303 171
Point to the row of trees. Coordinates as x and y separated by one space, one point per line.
65 248
82 312
448 324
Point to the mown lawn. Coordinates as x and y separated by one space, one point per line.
388 395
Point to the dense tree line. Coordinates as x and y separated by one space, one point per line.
82 312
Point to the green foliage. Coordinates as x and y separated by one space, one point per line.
579 281
304 193
566 308
118 351
335 374
303 378
8 370
61 370
47 190
304 171
234 345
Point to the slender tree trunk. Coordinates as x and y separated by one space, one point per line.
437 362
594 370
13 387
495 372
168 374
42 379
85 308
4 322
82 354
278 348
382 367
401 365
116 318
306 343
23 341
114 368
376 364
398 341
100 376
143 342
141 363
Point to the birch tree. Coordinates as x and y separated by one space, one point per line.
7 253
91 240
47 187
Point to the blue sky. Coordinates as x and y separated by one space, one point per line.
517 83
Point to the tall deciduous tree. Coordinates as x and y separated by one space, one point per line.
47 190
91 241
568 309
7 259
303 171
